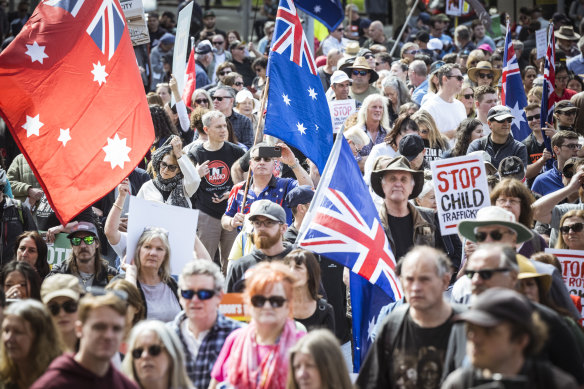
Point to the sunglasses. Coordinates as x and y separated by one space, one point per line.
569 113
218 42
576 227
469 96
202 294
379 63
202 101
153 351
89 240
368 56
225 72
220 98
360 72
534 117
508 120
69 306
259 301
485 274
239 83
459 77
412 52
486 75
164 165
265 223
495 235
265 159
573 146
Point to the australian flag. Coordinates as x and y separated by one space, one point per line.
328 12
343 225
549 80
513 94
297 110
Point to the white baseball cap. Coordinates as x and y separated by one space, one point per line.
339 76
435 44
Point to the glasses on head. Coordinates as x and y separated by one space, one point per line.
265 159
259 301
153 350
220 98
155 229
202 294
508 120
485 274
360 72
69 306
468 96
218 42
201 101
496 235
265 223
238 83
486 75
224 72
89 240
171 168
576 227
458 77
503 201
533 117
573 146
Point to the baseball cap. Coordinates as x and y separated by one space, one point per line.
208 13
83 227
499 112
267 209
167 38
411 145
61 285
512 167
204 47
339 76
436 65
435 44
565 106
302 194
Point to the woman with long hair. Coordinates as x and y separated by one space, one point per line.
20 280
466 97
31 247
436 143
397 94
571 236
163 127
373 118
467 131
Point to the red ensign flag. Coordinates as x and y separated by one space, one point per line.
74 101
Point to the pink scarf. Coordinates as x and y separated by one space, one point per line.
245 368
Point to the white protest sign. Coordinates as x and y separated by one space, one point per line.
541 42
134 13
340 111
572 262
181 224
179 58
461 189
454 7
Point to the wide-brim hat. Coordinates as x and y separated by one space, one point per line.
484 66
352 49
493 215
384 164
567 32
362 64
527 270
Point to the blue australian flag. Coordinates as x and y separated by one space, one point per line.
328 12
297 110
343 225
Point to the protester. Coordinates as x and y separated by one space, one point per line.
436 144
31 248
224 100
363 77
397 94
201 98
468 130
466 96
163 126
20 280
247 105
484 74
528 74
571 235
565 115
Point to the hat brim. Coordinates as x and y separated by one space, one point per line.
546 279
472 74
567 109
271 217
72 235
480 318
502 116
466 229
374 76
377 175
61 293
575 37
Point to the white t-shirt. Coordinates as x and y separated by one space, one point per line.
446 115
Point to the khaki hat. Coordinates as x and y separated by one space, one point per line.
384 164
61 285
527 270
493 215
484 66
565 106
352 49
362 64
567 32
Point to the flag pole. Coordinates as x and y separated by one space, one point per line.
255 140
403 28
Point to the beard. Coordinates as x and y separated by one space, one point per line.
265 241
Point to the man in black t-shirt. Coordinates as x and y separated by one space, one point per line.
215 157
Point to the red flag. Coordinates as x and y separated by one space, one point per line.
73 99
190 79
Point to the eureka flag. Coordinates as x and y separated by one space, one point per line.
328 12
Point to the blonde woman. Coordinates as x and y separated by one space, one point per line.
436 143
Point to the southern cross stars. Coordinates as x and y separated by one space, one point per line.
32 125
116 152
312 93
36 52
301 128
99 73
317 9
517 115
286 99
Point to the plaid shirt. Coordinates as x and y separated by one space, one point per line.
199 368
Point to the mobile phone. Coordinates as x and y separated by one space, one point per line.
270 151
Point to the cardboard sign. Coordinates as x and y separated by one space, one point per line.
58 251
181 224
233 307
179 57
461 189
340 111
572 262
454 7
541 42
134 13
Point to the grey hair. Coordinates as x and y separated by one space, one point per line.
357 136
362 115
210 116
403 96
202 267
227 89
419 67
508 258
441 260
517 44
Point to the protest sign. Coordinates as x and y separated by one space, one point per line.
233 306
134 14
181 224
59 250
454 7
179 58
340 111
572 262
541 42
461 189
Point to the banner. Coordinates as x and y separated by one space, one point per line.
59 250
340 111
233 306
454 7
134 13
572 262
179 57
461 189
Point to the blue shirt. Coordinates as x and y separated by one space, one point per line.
420 92
548 182
576 65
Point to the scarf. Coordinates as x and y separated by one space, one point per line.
245 368
173 185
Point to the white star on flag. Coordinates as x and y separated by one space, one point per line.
317 8
64 136
286 99
301 128
32 125
116 152
36 52
316 127
517 115
99 73
312 93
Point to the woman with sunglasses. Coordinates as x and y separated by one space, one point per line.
466 96
256 356
571 235
30 342
201 98
155 358
20 280
434 142
234 80
31 247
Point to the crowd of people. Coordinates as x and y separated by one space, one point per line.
485 306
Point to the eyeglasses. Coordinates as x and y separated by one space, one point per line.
259 301
534 117
265 159
238 83
171 168
224 72
69 306
218 42
414 52
576 227
360 72
485 274
202 294
468 96
496 235
503 201
220 98
153 350
458 77
202 101
239 48
508 120
573 146
486 75
265 223
89 240
379 63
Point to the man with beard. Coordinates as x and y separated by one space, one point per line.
85 261
269 225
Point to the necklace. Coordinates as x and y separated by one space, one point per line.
85 279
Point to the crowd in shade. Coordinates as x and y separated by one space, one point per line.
486 306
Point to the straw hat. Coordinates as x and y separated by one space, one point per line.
567 32
362 64
484 66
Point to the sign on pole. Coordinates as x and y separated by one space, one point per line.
340 111
461 189
179 57
134 14
454 7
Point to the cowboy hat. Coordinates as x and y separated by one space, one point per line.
362 64
567 32
489 216
384 164
484 66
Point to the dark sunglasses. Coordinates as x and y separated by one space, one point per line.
569 113
218 43
495 235
239 83
266 159
508 120
360 72
459 78
378 63
534 117
153 351
89 240
259 301
368 56
576 227
224 72
485 274
486 75
469 96
202 294
69 306
220 98
202 101
164 165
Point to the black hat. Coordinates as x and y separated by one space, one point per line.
423 36
512 167
83 227
300 195
208 13
410 146
204 47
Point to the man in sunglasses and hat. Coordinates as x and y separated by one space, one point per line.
363 76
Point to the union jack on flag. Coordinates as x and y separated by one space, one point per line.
107 27
71 6
549 82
